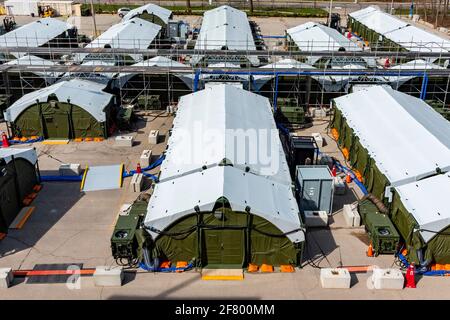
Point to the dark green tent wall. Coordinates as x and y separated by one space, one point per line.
240 238
58 120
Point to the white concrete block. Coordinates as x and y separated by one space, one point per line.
105 276
338 278
136 182
70 169
388 279
319 113
318 137
124 141
339 186
349 217
145 158
316 218
357 218
6 278
153 137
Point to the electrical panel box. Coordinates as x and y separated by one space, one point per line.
381 231
315 188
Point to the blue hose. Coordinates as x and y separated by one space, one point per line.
143 266
424 273
60 178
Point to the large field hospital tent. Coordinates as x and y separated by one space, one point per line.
386 32
68 109
152 13
233 207
225 28
392 140
43 32
312 36
18 176
135 33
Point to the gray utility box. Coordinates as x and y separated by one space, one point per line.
315 188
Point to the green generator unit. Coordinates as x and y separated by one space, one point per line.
149 102
382 233
126 237
289 112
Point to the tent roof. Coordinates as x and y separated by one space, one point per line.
26 153
162 13
30 60
409 37
130 34
224 113
270 200
379 21
407 139
427 201
418 40
226 26
83 93
312 36
35 34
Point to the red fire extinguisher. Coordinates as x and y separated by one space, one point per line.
410 276
333 171
138 168
5 142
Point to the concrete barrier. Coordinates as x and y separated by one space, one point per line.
105 276
391 279
6 277
136 182
153 137
335 278
124 141
145 158
316 218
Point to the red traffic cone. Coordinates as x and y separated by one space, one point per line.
370 250
5 142
333 171
138 168
410 276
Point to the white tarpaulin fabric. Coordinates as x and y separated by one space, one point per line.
83 93
427 201
26 153
407 139
212 125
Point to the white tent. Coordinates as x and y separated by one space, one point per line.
85 94
162 13
212 119
427 201
225 27
407 139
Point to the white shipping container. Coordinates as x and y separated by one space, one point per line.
22 7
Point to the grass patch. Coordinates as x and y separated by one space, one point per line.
181 10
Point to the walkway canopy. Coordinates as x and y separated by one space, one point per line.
225 28
247 209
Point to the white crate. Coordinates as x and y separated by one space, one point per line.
318 137
124 141
153 137
70 169
339 186
145 158
6 277
136 182
316 218
105 276
337 278
388 279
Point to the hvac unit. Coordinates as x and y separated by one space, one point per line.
315 188
382 233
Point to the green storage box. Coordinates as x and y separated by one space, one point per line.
149 102
382 233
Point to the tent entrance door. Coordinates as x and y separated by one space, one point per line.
57 125
223 248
